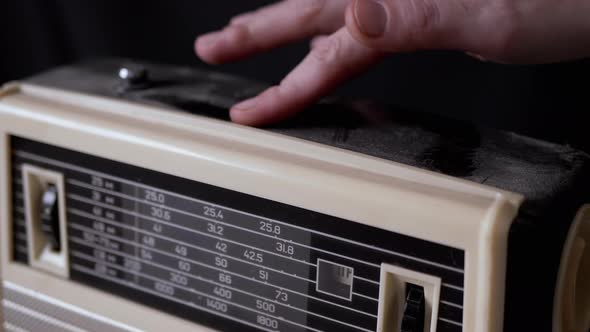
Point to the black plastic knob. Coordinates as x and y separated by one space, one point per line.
133 74
414 309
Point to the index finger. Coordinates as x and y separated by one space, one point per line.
335 59
270 27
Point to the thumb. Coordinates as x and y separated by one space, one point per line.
404 25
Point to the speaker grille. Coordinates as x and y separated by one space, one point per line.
26 310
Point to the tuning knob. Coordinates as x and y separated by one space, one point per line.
414 310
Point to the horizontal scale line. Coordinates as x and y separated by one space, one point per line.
367 280
365 296
450 321
451 304
452 286
21 236
22 249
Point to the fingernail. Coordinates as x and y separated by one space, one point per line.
246 105
371 17
209 39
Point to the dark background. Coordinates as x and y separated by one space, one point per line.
546 101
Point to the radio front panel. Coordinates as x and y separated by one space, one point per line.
141 208
222 258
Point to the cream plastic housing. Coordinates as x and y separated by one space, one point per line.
571 308
402 199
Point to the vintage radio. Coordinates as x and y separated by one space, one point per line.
131 203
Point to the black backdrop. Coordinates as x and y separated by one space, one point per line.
543 101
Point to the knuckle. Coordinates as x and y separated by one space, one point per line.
308 10
242 18
427 14
504 38
424 17
327 51
237 34
274 93
416 24
286 89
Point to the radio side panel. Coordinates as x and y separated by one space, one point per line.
294 175
4 216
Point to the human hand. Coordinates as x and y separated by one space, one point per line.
351 35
